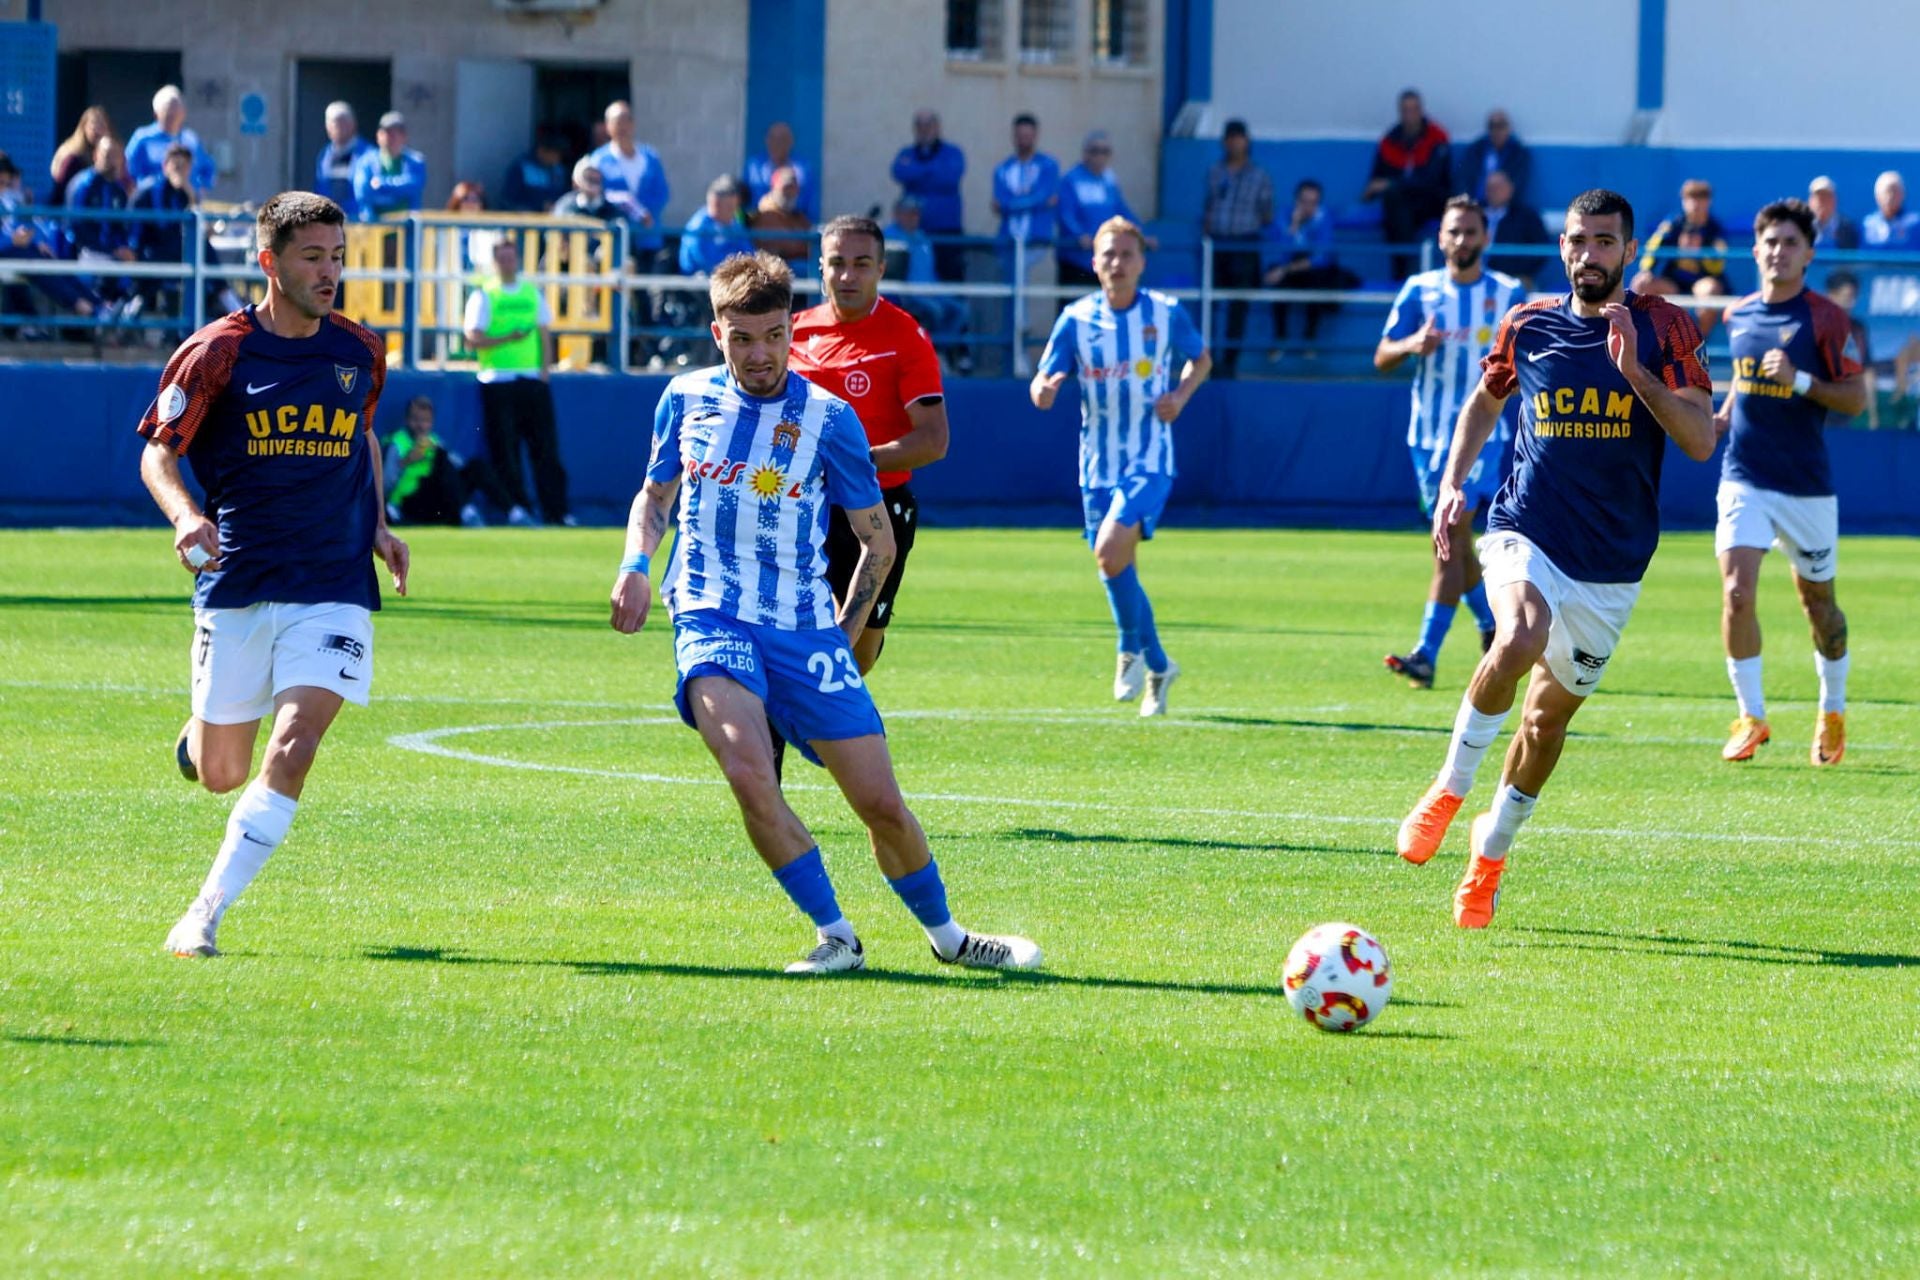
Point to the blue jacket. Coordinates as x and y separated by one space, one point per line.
532 187
706 242
157 241
1087 199
652 195
1027 191
335 181
1281 245
933 177
147 153
379 191
89 190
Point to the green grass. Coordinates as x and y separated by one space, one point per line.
489 1020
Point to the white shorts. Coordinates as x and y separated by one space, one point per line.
1807 529
1588 617
243 658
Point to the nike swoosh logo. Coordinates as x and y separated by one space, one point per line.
878 355
254 391
347 675
1534 356
248 835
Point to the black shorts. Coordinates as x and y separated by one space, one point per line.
843 551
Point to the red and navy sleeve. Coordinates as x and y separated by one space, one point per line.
377 356
1501 375
195 377
1833 338
1683 361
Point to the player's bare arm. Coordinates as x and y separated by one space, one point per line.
1686 415
1393 352
924 443
160 469
875 531
1195 372
392 551
1846 396
1044 387
647 522
1723 416
1478 418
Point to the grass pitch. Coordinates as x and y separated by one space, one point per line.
507 1002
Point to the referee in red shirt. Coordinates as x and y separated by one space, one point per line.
878 359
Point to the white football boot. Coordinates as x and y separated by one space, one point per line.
1158 682
831 956
994 951
193 936
1129 677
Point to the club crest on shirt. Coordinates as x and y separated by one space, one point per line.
858 383
1786 333
1149 334
787 434
346 375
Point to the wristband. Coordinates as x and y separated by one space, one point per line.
197 557
639 564
1802 383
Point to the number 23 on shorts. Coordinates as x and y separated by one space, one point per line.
822 664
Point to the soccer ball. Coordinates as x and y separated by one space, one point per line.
1337 977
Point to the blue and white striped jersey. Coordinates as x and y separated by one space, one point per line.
1126 359
757 479
1466 316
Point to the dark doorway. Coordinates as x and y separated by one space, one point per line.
571 97
366 86
121 80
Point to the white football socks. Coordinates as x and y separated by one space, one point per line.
1833 680
1473 733
841 929
946 938
1745 674
255 828
1511 808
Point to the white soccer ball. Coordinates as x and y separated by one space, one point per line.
1337 977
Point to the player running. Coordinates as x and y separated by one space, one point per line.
878 359
757 636
1793 363
1445 319
273 404
1124 340
1605 376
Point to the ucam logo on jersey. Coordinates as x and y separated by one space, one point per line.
1578 413
334 435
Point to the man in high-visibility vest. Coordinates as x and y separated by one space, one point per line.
510 325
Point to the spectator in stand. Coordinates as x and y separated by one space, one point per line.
470 198
588 199
390 178
1890 225
1701 273
1026 192
76 153
779 155
713 234
509 324
780 210
166 241
1511 222
428 483
1298 254
910 257
1831 230
1089 195
635 181
538 178
930 171
147 148
102 241
1410 176
1239 207
1496 150
333 167
1843 290
24 238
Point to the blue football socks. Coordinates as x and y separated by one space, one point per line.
926 896
1124 597
1476 600
805 880
1433 629
1149 634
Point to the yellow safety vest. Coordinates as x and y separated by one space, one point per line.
511 307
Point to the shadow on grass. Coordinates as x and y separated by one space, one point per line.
504 615
80 1042
1183 842
1654 944
110 604
1344 726
970 978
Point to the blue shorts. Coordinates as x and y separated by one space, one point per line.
1138 499
808 680
1482 482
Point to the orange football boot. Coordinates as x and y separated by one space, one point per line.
1744 738
1424 829
1830 737
1479 892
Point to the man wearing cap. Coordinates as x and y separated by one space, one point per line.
1891 225
1089 195
1831 230
1239 207
389 178
333 169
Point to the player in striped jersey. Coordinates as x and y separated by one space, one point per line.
755 456
1445 319
1124 341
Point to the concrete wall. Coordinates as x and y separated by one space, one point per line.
688 63
885 60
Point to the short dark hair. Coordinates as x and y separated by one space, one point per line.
8 169
289 211
1026 117
754 283
853 224
1234 129
178 152
1789 210
1599 202
1468 203
420 402
1308 184
1842 279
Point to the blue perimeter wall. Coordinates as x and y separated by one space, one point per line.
1250 453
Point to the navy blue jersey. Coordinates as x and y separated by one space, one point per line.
1777 441
1585 485
280 434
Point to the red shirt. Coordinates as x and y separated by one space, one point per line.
879 365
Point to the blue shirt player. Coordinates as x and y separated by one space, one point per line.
1444 320
1123 341
1793 363
273 407
1605 377
755 456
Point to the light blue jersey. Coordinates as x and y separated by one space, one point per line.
1467 317
758 476
1126 360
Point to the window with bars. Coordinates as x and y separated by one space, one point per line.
973 30
1120 33
1046 31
